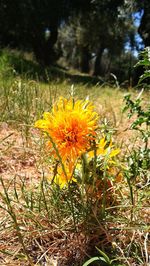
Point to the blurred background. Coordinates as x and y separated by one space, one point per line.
102 38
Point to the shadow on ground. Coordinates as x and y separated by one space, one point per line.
13 63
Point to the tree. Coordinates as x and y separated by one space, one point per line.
100 27
23 25
144 28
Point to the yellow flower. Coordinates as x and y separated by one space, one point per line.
62 176
71 125
62 179
104 150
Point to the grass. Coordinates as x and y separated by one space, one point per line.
41 225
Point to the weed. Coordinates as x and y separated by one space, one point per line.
104 200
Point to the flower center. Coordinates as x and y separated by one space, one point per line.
71 137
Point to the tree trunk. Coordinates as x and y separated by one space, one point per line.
49 52
85 58
44 48
97 66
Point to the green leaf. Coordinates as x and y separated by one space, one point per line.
88 262
106 258
144 76
144 62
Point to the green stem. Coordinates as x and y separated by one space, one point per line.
64 170
131 194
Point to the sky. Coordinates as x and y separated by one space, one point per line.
137 19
